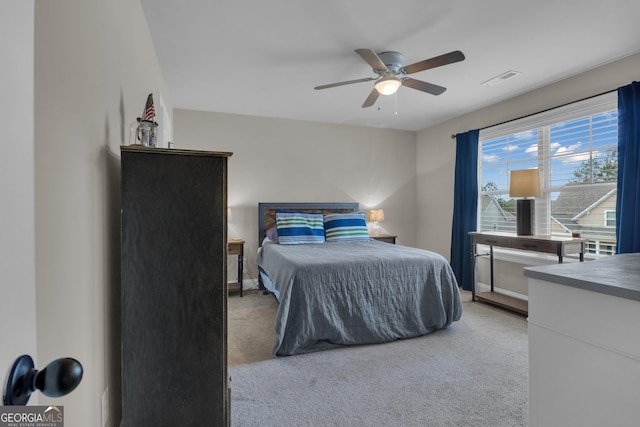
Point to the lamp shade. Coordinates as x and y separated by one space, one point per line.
388 85
525 183
375 215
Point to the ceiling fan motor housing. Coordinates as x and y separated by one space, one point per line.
393 60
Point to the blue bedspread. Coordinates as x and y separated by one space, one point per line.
344 293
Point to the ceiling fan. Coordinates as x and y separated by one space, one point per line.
391 73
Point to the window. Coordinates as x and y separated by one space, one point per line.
609 218
575 149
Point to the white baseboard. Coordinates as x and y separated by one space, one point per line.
249 284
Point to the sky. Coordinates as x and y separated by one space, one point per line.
570 144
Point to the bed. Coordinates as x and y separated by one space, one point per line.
344 292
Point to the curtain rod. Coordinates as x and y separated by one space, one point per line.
543 111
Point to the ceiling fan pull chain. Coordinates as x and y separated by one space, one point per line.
396 97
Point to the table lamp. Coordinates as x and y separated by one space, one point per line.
376 216
524 183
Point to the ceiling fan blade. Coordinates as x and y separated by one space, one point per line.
437 61
348 82
371 99
372 59
423 86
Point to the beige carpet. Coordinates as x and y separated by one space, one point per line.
475 373
251 332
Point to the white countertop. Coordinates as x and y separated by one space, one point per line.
617 275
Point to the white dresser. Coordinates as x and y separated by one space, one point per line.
584 343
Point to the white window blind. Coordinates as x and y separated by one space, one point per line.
575 149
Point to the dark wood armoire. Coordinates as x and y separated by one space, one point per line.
174 288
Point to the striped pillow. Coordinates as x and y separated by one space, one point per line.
297 228
346 227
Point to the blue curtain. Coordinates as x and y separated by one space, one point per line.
465 206
628 197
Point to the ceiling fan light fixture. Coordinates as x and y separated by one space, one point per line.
388 85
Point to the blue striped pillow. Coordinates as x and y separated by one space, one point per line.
346 227
297 228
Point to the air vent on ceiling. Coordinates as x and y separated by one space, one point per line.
502 77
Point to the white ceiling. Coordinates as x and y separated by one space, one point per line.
264 58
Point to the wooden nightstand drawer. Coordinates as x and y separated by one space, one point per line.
236 247
387 238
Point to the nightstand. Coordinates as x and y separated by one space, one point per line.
236 247
387 238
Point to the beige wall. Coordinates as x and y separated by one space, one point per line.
279 160
17 229
436 149
94 66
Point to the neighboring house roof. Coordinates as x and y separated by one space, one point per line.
572 205
495 218
569 204
567 210
593 205
560 224
490 202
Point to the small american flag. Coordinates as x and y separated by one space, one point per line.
149 111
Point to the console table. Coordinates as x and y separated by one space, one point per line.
559 246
